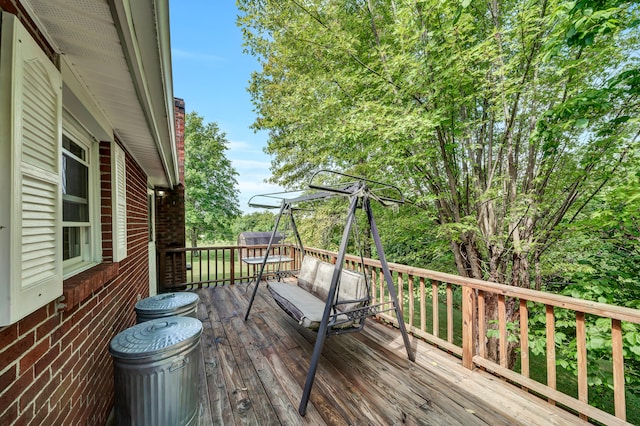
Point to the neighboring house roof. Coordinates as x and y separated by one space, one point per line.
118 51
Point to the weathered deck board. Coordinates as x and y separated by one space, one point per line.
254 372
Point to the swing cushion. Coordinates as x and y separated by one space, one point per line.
307 306
308 272
301 305
352 287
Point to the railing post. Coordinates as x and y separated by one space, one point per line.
232 257
468 327
162 270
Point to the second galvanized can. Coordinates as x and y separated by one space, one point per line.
167 305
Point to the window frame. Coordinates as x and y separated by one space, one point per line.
91 247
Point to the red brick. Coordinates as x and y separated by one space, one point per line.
13 352
54 417
30 322
8 335
41 413
34 388
9 415
25 417
7 378
11 394
34 355
47 327
65 396
63 387
57 364
67 368
43 398
61 331
45 362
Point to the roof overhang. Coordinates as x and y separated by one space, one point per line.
116 65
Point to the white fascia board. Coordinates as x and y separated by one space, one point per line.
141 37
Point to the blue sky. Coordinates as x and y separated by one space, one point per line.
211 73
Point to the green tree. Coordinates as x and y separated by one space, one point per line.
501 120
254 222
211 196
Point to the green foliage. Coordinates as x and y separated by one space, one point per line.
599 260
499 120
253 222
211 197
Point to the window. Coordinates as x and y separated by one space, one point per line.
79 183
76 223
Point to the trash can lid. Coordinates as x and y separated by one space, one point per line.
158 336
166 303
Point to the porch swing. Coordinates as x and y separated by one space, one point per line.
326 297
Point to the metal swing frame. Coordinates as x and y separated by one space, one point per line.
360 191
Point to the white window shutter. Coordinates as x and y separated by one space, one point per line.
30 147
119 207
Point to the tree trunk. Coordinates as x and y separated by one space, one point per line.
468 262
519 278
193 235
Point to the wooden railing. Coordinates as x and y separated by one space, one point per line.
449 311
192 268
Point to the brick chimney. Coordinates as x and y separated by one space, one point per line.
179 117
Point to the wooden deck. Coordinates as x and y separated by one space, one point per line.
254 373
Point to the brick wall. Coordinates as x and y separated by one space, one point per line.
55 367
170 219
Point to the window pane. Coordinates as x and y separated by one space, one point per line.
73 147
71 243
75 190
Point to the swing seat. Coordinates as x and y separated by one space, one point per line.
305 300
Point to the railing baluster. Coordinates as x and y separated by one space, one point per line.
423 305
449 313
209 279
524 338
411 301
232 265
502 328
401 293
482 329
581 348
434 307
618 369
174 268
216 265
551 349
200 265
374 288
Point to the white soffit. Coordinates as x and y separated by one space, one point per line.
85 33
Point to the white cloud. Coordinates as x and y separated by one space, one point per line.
254 165
240 146
203 57
257 187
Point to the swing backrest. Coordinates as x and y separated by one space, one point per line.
307 273
352 286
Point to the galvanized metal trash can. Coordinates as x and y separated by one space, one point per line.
155 367
167 305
